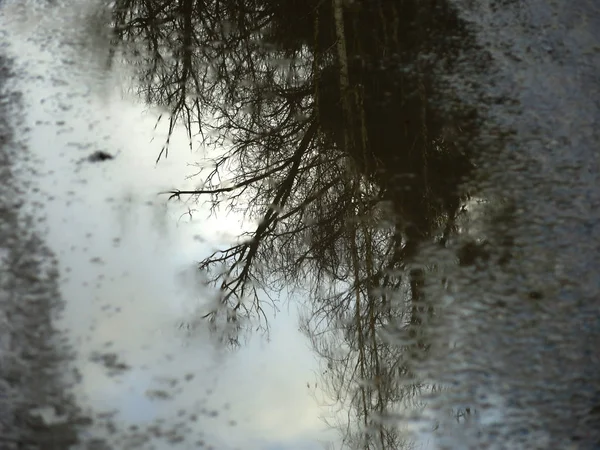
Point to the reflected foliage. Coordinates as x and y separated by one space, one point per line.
337 136
367 374
324 134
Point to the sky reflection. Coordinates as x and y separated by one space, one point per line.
122 249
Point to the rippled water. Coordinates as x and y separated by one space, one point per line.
132 299
91 246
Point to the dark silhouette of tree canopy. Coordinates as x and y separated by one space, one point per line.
328 116
335 122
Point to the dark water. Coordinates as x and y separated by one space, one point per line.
282 225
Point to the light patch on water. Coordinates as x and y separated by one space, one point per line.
126 256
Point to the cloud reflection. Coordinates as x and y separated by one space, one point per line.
121 251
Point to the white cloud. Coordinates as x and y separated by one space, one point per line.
121 248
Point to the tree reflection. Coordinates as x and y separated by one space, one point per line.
367 371
344 146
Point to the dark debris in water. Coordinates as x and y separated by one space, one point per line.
110 361
100 156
